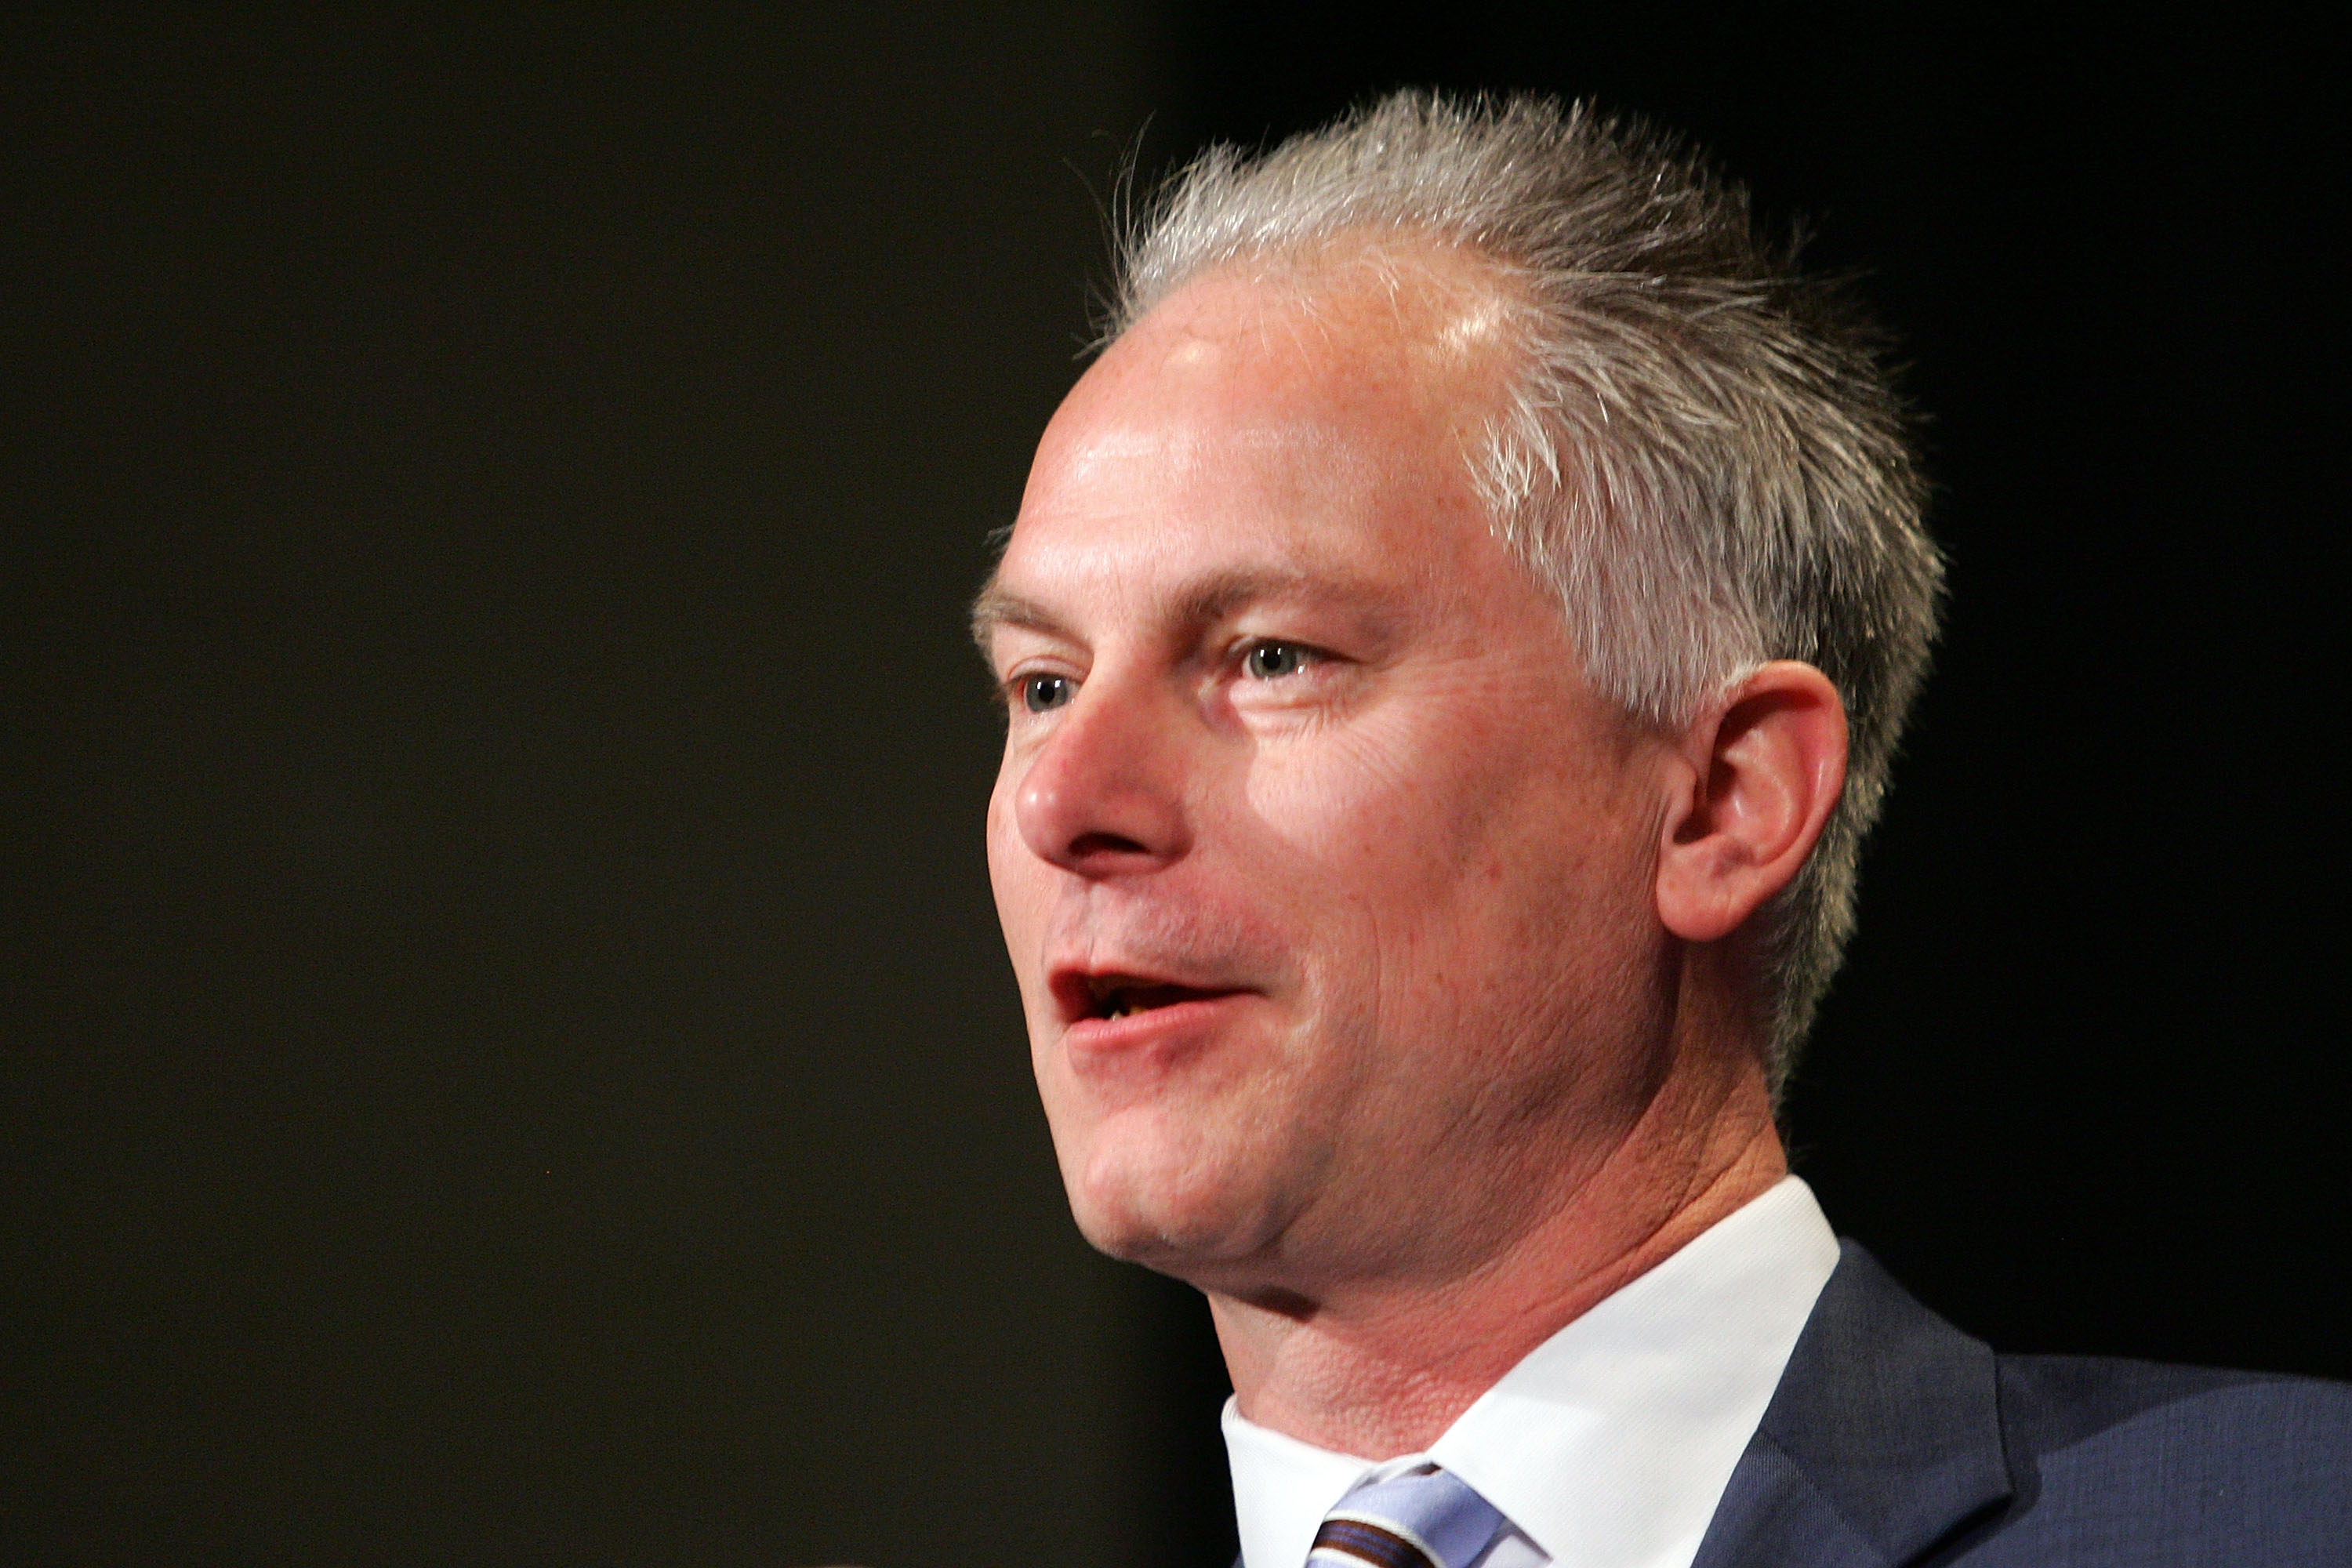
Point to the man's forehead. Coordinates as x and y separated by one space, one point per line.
1251 441
1222 488
1186 446
1376 336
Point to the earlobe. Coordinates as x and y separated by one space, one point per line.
1762 771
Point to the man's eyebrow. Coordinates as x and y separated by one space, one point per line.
998 606
1219 595
1203 602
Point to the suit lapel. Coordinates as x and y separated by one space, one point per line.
1882 1440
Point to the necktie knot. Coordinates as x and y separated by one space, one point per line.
1429 1518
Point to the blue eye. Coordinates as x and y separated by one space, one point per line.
1040 693
1273 660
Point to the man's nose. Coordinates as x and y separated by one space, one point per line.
1104 796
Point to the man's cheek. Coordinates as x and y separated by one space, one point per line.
1021 898
1348 797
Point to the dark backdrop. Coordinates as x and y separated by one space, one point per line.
508 1058
505 1056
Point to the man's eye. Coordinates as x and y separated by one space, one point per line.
1273 660
1040 693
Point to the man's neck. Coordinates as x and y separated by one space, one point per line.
1379 1370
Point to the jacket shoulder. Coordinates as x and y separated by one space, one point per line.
2056 1402
1895 1440
2157 1459
2126 1464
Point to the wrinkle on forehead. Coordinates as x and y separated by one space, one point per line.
1189 449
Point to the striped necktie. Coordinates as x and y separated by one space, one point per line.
1429 1518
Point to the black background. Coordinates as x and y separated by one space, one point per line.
506 1056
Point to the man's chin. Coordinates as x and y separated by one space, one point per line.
1176 1222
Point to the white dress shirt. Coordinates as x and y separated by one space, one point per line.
1610 1444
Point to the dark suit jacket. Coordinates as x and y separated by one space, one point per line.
1894 1439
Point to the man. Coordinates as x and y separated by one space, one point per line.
1452 641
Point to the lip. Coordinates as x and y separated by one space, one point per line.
1154 1032
1087 1032
1078 991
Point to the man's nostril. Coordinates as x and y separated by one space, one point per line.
1089 845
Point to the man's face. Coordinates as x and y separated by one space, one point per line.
1328 880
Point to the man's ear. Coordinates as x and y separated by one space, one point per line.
1762 772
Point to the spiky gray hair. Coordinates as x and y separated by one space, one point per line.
1702 451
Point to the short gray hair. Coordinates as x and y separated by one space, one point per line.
1702 452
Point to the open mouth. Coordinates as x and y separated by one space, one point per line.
1108 996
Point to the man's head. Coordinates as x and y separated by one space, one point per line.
1398 771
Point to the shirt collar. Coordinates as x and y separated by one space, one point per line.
1609 1444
